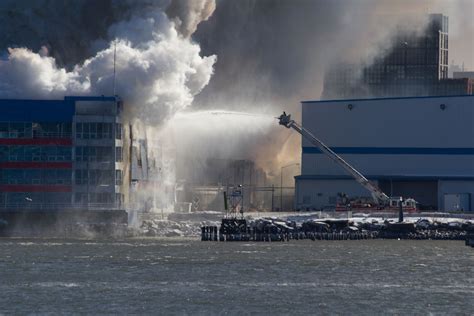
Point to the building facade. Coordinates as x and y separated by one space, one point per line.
421 147
415 64
61 154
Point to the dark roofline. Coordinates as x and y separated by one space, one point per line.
387 177
91 98
72 98
389 98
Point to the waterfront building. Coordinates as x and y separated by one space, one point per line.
419 147
63 154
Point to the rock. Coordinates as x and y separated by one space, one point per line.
174 233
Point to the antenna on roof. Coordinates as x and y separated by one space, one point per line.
115 55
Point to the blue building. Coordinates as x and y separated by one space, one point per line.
61 154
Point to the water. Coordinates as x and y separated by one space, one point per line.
183 276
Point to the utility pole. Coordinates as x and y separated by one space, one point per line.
115 55
400 210
273 195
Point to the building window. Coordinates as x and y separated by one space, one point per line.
118 199
94 130
4 153
81 176
17 153
15 130
118 177
35 176
94 177
49 130
118 131
79 130
94 154
118 154
80 198
101 198
3 130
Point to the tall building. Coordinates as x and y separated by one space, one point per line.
62 154
414 65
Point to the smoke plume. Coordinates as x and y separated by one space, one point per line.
188 14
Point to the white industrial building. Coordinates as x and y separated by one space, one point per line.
420 147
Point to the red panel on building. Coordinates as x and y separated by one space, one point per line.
36 141
35 165
35 188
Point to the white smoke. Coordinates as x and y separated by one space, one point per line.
158 71
188 14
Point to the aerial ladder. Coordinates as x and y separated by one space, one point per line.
378 195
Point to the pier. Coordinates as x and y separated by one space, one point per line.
273 230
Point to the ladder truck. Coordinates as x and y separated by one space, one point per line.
382 200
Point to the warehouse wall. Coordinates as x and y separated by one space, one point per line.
424 144
405 136
322 193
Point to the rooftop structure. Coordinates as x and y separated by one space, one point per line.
414 65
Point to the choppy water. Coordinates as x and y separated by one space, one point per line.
191 277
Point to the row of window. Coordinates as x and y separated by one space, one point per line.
98 130
94 154
98 177
94 130
59 153
35 153
57 199
35 176
384 73
34 130
59 130
98 154
60 176
99 198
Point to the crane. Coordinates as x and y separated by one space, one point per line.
377 194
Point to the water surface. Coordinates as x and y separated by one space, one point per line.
184 276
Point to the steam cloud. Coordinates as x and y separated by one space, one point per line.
188 14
